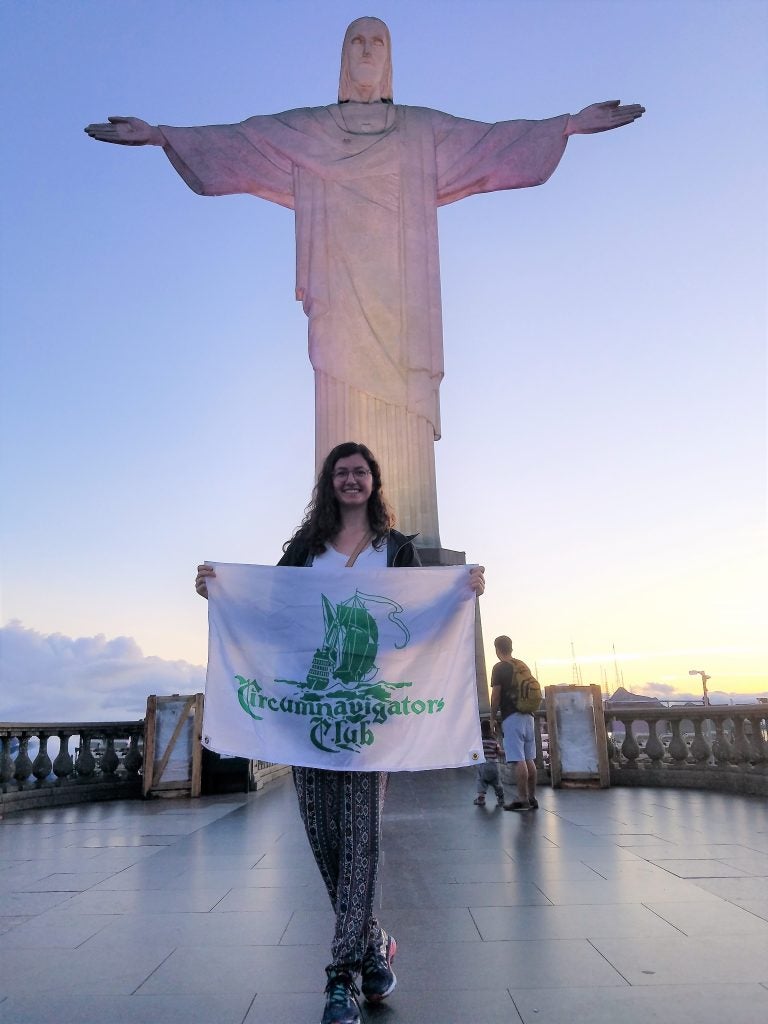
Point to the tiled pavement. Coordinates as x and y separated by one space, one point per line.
630 906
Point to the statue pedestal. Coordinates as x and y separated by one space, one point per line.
445 556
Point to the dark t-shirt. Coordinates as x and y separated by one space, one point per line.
503 675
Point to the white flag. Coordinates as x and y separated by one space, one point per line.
366 671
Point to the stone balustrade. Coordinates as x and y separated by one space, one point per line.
719 747
716 747
91 761
708 747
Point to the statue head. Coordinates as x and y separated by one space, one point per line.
366 62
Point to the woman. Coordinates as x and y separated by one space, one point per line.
348 524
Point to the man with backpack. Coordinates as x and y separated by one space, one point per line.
516 693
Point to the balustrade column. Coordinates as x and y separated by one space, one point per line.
110 762
41 766
678 748
22 765
6 762
759 748
86 762
654 748
721 748
629 747
742 751
63 766
700 749
133 760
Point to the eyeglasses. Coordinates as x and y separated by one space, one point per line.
358 473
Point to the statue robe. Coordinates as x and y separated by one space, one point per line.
367 269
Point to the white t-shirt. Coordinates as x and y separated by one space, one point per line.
369 558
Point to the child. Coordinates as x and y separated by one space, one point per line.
488 773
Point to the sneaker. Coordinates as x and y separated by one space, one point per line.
341 1006
517 805
378 978
533 803
480 801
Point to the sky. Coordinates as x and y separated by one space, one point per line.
604 403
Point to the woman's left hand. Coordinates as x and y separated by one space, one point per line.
477 580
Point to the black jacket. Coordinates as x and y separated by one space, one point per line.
401 552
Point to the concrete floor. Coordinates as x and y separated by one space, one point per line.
628 906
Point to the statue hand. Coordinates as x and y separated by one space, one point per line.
126 131
601 117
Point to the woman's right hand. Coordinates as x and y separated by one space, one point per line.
204 573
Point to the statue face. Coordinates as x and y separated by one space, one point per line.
366 53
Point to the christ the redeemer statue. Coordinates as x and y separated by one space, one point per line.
365 177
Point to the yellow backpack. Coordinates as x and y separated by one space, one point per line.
528 690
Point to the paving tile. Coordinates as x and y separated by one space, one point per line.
637 841
701 851
687 868
735 889
89 1008
687 961
107 840
527 964
751 861
440 1006
310 928
304 897
160 901
251 969
486 894
7 924
65 970
66 881
705 1004
176 930
118 858
53 859
287 1007
58 929
757 907
480 902
617 891
626 870
568 922
284 877
708 919
13 904
512 872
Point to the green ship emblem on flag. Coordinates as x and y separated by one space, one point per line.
341 694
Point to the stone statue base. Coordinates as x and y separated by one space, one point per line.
445 556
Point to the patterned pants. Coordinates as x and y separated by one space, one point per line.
341 812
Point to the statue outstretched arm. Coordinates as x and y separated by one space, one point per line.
126 131
601 117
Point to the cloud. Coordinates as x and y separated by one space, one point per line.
664 691
52 677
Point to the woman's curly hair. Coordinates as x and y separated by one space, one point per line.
322 519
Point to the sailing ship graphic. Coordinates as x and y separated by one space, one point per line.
342 696
348 652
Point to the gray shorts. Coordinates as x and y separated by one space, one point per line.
519 740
